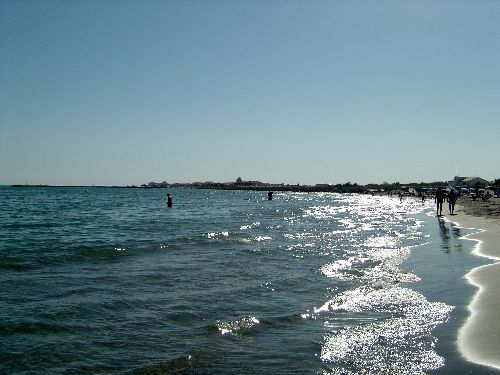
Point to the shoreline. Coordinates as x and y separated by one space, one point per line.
478 339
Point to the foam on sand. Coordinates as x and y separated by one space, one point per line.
479 338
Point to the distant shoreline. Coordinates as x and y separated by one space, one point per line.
75 186
375 189
290 188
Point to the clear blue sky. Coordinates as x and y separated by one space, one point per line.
127 92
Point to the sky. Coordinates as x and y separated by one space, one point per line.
121 92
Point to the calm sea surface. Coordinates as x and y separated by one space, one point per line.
111 281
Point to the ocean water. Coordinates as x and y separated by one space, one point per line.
111 281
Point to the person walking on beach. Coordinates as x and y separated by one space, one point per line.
452 198
169 200
439 199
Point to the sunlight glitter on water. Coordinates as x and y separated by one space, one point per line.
400 343
392 331
217 234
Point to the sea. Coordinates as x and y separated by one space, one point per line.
112 281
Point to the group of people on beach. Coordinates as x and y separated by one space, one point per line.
441 196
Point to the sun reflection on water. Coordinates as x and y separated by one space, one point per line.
370 238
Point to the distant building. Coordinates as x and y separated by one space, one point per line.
240 182
469 182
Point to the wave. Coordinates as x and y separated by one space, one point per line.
237 327
31 327
195 363
20 265
250 324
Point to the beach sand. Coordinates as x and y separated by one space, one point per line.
479 338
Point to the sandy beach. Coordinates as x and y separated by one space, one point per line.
479 338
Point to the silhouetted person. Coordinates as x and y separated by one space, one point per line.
452 198
269 195
439 199
169 200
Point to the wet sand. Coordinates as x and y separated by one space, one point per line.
479 338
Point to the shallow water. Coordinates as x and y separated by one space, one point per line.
97 280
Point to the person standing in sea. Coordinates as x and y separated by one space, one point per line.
169 200
439 199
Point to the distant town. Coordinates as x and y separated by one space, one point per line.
348 187
240 184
